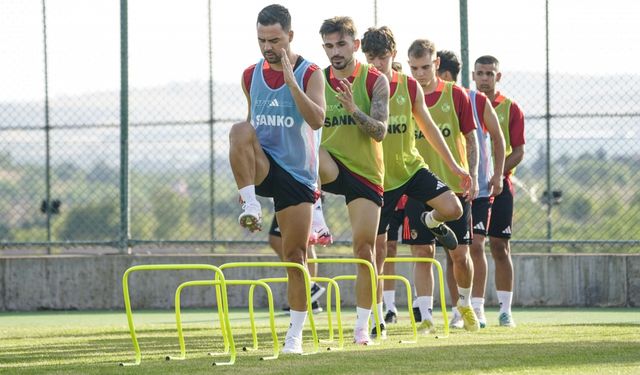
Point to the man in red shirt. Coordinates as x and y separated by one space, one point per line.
486 75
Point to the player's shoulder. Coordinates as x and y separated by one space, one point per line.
372 71
250 68
457 89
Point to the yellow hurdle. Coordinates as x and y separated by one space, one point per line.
252 283
407 284
307 283
329 315
221 296
443 302
372 275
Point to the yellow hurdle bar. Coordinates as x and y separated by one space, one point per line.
221 288
307 283
252 283
443 302
329 315
372 274
407 284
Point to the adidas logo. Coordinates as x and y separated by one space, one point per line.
507 230
466 236
479 226
274 103
440 185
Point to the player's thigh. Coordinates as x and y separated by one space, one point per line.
364 216
295 225
447 204
328 168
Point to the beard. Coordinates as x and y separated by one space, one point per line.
342 63
272 57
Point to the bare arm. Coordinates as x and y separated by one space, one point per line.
514 158
246 95
497 141
311 103
374 124
472 159
431 132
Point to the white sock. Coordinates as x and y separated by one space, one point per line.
504 298
389 298
362 317
248 194
380 315
298 318
425 304
464 296
318 222
430 221
477 303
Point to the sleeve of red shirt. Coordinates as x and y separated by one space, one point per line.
516 125
463 109
412 85
246 76
481 102
372 77
307 75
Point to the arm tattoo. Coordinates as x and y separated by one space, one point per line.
370 126
375 125
472 153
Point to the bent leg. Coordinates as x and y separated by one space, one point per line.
446 207
248 161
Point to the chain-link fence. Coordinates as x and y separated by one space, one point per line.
114 133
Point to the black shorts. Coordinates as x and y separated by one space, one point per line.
395 221
423 186
274 230
502 212
285 190
351 186
481 214
418 234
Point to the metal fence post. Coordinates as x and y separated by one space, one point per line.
464 43
47 151
124 129
548 125
212 155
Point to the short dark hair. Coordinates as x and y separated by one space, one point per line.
449 63
273 14
420 47
339 24
378 41
488 59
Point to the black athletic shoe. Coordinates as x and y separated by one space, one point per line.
417 315
316 291
391 317
443 234
383 330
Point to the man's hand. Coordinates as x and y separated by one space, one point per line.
466 182
495 185
287 69
345 96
